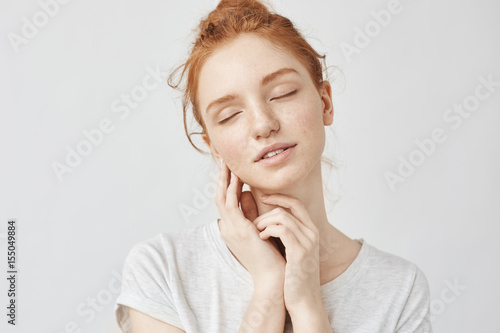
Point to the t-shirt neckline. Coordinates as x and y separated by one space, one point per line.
336 283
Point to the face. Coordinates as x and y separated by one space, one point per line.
284 108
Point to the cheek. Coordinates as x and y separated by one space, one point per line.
306 119
232 148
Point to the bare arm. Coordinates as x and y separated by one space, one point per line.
266 312
143 323
311 318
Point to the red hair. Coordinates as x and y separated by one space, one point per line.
224 24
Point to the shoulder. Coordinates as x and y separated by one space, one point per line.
388 263
393 271
169 246
398 287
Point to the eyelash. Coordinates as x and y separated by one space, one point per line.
279 97
286 95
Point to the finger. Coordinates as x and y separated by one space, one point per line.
232 203
239 187
278 212
269 213
222 185
288 221
293 204
284 234
231 199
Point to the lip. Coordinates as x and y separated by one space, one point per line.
277 159
273 147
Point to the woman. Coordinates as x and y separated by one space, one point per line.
257 91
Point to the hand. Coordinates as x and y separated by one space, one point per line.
300 236
260 257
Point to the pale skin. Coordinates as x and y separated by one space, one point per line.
285 241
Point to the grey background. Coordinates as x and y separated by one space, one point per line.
74 232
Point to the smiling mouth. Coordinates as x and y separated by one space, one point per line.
274 158
274 153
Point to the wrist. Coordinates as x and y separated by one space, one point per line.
307 318
308 308
269 289
269 282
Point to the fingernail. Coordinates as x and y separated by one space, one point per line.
220 163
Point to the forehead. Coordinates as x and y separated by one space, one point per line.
240 65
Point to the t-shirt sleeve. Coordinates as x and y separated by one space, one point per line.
415 316
145 287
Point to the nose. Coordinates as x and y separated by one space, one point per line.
264 121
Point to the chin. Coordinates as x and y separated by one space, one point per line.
276 184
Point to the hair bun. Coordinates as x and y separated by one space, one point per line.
238 5
230 8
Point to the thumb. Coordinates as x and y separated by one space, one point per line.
248 206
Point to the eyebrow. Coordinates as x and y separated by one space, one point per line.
264 81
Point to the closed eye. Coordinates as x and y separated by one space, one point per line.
279 97
225 120
286 95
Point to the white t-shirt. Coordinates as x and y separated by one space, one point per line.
190 279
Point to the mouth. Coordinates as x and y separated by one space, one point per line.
276 156
273 153
273 150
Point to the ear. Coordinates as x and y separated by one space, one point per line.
209 144
326 98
